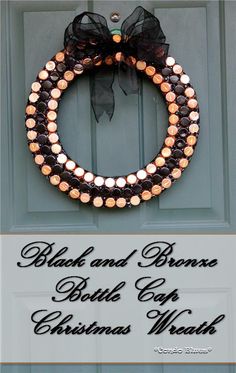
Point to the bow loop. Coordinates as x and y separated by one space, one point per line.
88 34
141 37
143 33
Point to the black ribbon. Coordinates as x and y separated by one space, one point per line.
141 37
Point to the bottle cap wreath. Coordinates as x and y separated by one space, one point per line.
90 47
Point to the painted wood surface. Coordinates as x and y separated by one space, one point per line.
201 35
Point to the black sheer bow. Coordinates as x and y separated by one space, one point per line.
141 37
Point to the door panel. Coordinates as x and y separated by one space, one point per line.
202 36
73 368
201 201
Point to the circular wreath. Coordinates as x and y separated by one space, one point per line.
136 49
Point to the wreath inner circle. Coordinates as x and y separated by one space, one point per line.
121 191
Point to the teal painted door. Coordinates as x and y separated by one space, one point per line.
202 38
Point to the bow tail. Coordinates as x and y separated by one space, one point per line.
102 96
128 79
